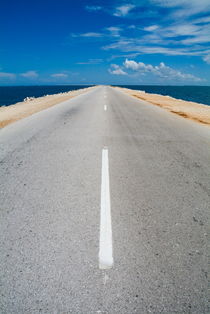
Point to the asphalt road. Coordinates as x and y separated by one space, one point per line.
51 173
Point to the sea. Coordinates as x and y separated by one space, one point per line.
9 95
12 94
199 94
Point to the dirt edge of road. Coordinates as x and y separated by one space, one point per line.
20 110
187 109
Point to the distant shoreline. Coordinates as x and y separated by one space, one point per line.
187 109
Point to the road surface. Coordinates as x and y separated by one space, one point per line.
104 209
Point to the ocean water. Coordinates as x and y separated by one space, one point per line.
10 95
199 94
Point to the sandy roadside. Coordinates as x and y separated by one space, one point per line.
10 114
187 109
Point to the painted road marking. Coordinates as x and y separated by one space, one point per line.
105 107
105 250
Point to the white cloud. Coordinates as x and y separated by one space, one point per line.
123 10
116 70
131 45
143 46
151 28
93 8
169 35
132 27
91 34
114 31
30 74
91 61
6 75
189 32
192 32
201 20
196 40
183 29
59 75
88 35
142 67
163 71
183 8
207 59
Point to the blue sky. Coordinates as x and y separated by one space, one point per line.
105 42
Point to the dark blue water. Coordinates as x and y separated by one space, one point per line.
12 94
200 94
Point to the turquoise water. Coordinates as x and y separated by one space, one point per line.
200 94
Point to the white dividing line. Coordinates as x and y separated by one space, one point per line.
105 107
105 250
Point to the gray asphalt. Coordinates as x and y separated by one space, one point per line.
50 209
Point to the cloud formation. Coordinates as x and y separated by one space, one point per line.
93 8
116 70
207 59
183 29
59 75
91 61
91 34
114 31
30 74
151 28
187 38
161 71
184 7
123 10
6 75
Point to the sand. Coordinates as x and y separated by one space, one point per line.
187 109
10 114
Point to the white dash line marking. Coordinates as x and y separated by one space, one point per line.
105 250
105 107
